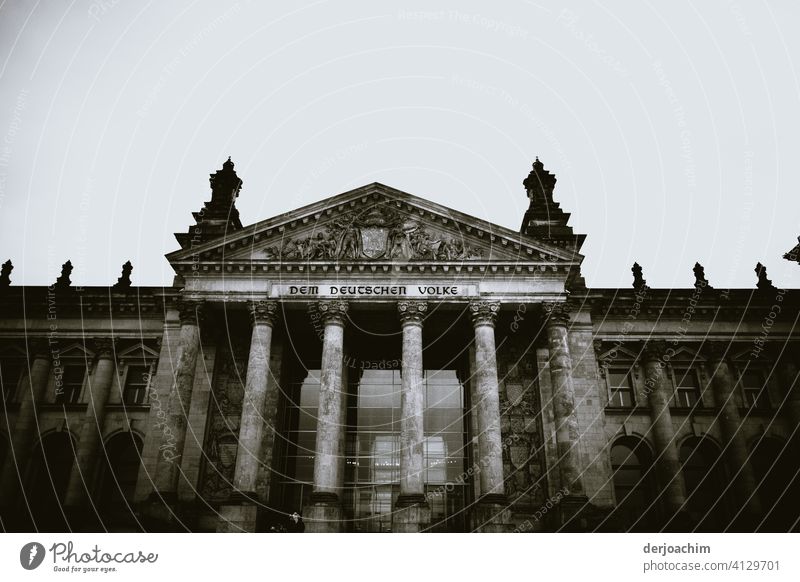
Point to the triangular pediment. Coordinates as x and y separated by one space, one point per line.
375 224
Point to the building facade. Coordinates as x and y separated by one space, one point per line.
380 363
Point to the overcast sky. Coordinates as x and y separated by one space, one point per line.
673 127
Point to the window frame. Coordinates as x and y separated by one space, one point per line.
61 399
763 392
676 390
125 370
630 374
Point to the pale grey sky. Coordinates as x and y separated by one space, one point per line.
673 128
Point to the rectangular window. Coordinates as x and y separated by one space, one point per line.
755 390
69 383
687 388
137 380
10 373
620 385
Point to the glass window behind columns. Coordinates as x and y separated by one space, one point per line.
296 475
372 473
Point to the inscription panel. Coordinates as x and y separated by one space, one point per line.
374 291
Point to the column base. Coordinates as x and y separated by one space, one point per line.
412 514
323 514
492 515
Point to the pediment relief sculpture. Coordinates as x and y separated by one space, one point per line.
378 233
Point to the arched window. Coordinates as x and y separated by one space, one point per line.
633 485
117 484
50 467
777 481
704 477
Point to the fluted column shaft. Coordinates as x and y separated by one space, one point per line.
25 427
173 427
658 394
565 413
736 455
91 436
251 427
487 399
330 421
412 404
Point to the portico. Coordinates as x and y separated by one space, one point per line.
387 307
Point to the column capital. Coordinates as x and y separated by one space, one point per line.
104 347
654 350
412 312
484 312
191 311
333 311
263 312
556 313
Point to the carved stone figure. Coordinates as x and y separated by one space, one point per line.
375 234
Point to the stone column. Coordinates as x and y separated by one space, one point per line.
91 435
658 392
412 511
25 429
565 414
735 450
173 427
571 508
492 513
324 512
240 514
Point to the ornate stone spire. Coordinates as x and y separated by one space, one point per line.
763 284
124 282
700 280
5 273
639 282
544 218
219 216
64 282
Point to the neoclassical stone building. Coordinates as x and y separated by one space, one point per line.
381 363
